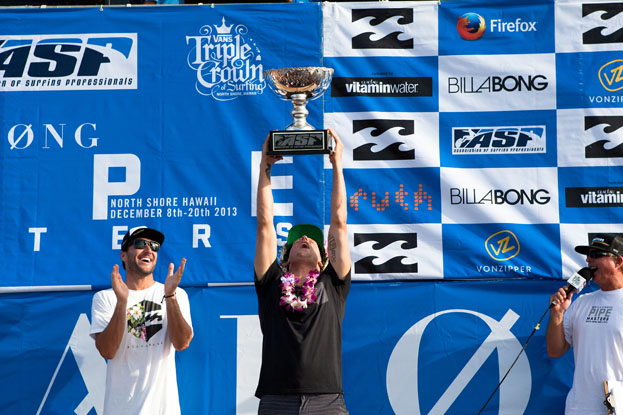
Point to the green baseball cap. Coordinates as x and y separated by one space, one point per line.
311 231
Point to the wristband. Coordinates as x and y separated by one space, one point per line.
168 296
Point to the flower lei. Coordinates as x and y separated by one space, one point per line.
289 299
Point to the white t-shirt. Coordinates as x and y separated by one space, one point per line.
141 378
593 326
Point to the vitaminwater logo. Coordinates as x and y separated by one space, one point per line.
228 65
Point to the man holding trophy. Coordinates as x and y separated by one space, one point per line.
301 302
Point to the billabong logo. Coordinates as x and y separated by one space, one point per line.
611 75
508 83
388 253
502 245
228 65
465 196
498 140
68 62
606 147
605 19
594 196
378 19
471 26
380 126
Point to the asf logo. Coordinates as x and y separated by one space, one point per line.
606 147
502 245
406 128
610 75
380 20
389 253
498 140
68 62
606 19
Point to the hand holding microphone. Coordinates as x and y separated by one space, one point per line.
574 284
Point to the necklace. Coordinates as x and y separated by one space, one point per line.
289 299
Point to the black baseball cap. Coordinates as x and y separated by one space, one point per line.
607 242
146 233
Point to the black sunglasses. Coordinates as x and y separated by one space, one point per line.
597 254
141 243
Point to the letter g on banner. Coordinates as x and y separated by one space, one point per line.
402 369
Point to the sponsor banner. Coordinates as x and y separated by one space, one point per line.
176 149
498 139
387 140
592 80
499 195
572 235
480 83
382 84
460 336
477 29
590 137
590 194
501 250
380 29
589 26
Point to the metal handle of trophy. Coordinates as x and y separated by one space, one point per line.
299 113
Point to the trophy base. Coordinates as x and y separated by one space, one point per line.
295 142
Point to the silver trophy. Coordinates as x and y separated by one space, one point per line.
299 85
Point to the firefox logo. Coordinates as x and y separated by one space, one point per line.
471 26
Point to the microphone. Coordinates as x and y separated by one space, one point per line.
577 282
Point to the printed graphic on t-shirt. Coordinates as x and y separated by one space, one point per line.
599 314
144 319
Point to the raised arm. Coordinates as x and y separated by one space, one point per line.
107 342
266 239
337 243
179 330
555 336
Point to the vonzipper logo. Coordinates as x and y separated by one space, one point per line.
68 62
594 196
382 87
378 19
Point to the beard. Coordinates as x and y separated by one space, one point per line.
135 267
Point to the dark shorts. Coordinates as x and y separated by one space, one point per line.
322 404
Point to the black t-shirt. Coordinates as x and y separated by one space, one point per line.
301 350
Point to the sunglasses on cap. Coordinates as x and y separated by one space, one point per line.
597 254
141 243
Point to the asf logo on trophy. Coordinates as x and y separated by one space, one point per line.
299 85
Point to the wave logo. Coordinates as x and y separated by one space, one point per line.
471 26
611 75
502 245
228 65
403 375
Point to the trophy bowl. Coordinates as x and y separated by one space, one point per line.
299 85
